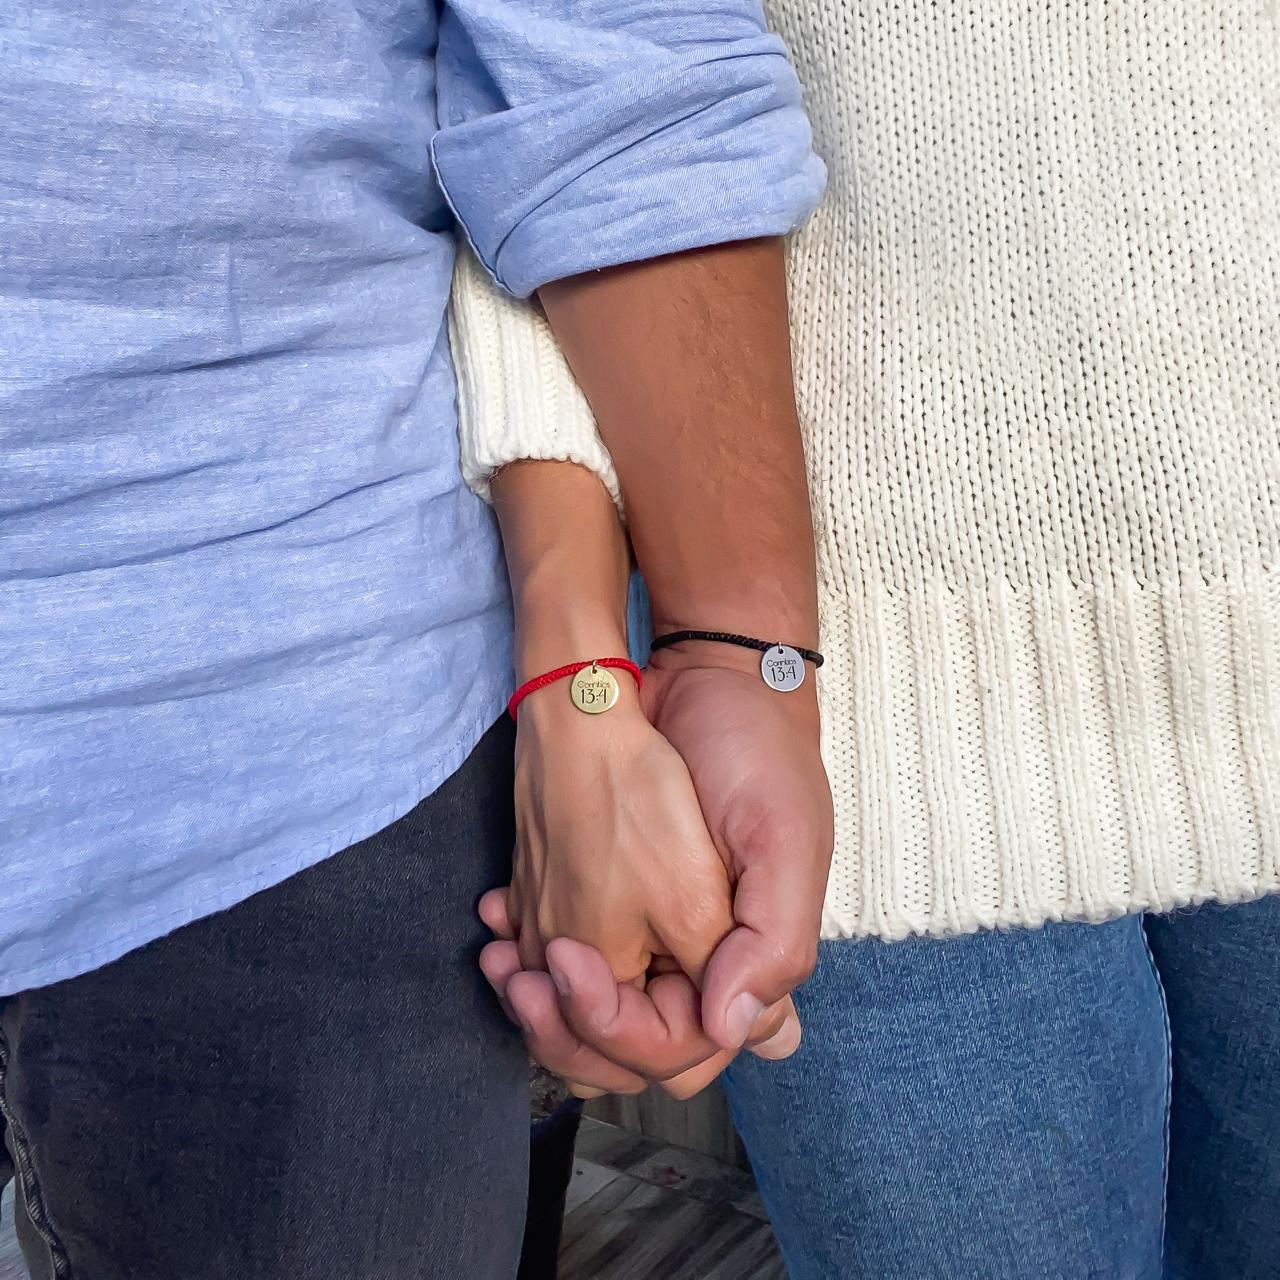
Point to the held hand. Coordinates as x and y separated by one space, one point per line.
613 854
582 1024
764 783
611 846
755 760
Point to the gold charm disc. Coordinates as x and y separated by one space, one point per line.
594 690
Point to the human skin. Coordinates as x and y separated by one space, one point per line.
612 848
686 363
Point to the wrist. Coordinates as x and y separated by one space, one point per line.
693 660
767 614
751 580
562 617
554 709
742 649
573 635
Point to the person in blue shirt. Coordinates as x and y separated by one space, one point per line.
255 634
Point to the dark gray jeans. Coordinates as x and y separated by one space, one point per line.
314 1085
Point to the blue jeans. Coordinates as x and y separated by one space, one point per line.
1053 1104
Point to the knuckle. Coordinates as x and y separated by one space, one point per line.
597 1025
797 961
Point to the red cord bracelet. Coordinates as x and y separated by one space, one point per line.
591 696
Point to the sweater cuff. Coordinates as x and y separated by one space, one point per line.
517 398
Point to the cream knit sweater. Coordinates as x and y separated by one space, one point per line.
1036 326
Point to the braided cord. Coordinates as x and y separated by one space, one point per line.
732 637
570 669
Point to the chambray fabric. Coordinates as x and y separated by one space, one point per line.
1018 1105
248 612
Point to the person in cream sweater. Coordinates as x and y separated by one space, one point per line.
1036 360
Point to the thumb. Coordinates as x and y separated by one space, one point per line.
769 953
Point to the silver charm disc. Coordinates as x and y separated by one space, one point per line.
782 668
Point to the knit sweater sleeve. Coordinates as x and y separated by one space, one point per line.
517 398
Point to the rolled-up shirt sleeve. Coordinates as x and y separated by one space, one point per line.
578 134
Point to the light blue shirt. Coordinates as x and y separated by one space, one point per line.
249 614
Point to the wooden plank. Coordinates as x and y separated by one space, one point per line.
672 1167
694 1174
587 1179
613 1147
720 1238
756 1257
700 1124
633 1237
659 1212
606 1200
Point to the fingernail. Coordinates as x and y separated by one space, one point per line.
558 977
743 1011
783 1043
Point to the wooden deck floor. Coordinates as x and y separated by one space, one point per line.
637 1210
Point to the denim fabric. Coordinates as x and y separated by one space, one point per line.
996 1106
1221 972
314 1085
249 613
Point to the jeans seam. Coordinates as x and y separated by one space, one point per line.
1168 1096
28 1185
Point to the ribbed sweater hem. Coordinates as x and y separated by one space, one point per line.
1009 755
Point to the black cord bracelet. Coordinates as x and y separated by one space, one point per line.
781 665
729 637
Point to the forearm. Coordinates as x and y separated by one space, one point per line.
686 363
568 561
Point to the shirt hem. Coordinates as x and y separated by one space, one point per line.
82 962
